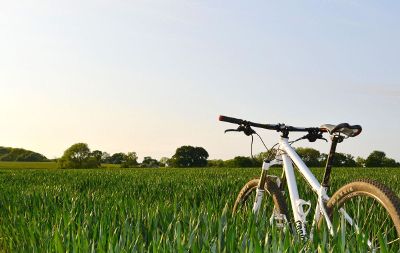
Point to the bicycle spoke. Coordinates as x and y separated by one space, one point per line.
368 214
375 238
383 224
363 210
398 239
390 230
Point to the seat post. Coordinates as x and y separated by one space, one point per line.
328 167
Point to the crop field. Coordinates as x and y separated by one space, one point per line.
28 165
156 210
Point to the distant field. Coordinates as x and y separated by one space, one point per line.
28 165
158 210
40 165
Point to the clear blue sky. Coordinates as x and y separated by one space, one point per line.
149 76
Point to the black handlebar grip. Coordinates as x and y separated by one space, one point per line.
230 120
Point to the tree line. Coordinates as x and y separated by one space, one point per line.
20 155
79 156
313 158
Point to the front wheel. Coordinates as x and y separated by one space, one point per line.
277 208
375 216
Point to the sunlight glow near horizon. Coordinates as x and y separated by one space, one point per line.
150 76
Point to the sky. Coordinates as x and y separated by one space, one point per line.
150 76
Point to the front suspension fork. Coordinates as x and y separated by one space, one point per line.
261 184
260 192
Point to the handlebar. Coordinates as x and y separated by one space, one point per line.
276 127
249 123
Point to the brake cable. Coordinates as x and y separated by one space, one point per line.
249 132
262 141
251 147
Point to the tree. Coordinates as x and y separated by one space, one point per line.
31 157
117 158
78 156
375 159
379 159
360 162
310 156
97 156
129 160
105 157
216 163
259 158
149 162
20 155
390 162
343 160
4 151
188 156
164 161
339 160
241 162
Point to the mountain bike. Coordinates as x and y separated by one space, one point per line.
363 210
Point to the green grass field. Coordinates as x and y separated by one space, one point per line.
128 210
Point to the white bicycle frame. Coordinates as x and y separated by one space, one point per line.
288 156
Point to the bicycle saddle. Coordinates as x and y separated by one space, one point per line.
343 128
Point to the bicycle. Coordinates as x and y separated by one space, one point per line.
354 208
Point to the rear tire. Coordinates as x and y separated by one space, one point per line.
374 208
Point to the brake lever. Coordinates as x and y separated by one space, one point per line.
246 129
231 130
312 137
